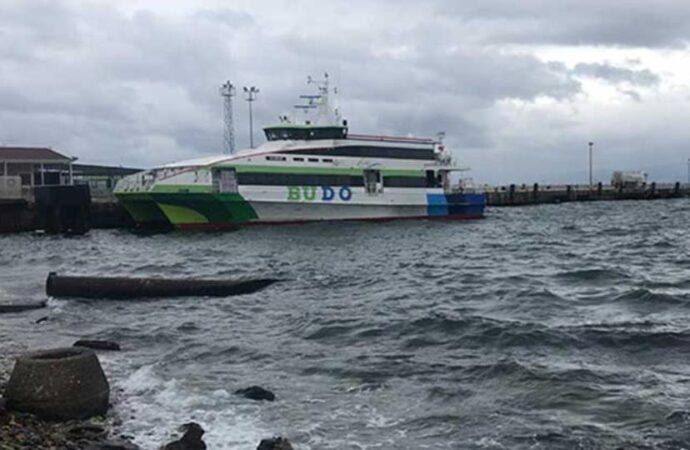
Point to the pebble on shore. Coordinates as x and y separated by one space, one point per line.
22 431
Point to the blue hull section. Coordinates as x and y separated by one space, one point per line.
440 205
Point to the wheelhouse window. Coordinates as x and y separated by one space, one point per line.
305 132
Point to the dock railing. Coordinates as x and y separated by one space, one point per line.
527 194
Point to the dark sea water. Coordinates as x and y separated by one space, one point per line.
549 327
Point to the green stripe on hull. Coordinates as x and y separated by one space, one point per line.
181 214
182 188
142 208
198 208
403 173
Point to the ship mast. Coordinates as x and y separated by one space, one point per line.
322 102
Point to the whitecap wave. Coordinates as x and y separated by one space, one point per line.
152 409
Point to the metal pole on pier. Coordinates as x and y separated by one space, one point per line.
688 171
227 91
591 144
251 94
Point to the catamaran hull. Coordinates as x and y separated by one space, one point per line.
207 211
145 212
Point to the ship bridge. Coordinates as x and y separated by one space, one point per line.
307 132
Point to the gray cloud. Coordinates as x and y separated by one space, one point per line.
125 85
577 22
614 74
632 94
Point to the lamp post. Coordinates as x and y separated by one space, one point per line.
591 144
227 91
250 96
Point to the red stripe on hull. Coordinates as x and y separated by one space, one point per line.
233 226
218 226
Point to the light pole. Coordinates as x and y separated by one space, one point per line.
227 91
250 96
591 144
688 171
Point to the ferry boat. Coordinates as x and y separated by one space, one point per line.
304 172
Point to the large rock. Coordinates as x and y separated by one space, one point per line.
191 439
276 443
256 393
59 384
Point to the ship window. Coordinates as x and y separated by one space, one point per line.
431 181
313 159
291 132
363 151
224 181
298 159
373 183
327 160
275 158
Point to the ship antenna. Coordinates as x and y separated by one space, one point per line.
323 97
227 91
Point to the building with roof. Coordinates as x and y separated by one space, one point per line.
25 167
101 179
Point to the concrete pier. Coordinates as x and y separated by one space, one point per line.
534 194
62 214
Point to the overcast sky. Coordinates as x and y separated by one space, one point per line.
519 87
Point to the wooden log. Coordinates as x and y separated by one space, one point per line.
95 344
132 288
15 308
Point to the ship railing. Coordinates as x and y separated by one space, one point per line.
524 187
398 139
137 182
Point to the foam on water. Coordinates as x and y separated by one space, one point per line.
56 304
149 406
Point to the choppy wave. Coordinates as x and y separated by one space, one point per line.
553 327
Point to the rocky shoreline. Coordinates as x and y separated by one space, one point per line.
23 431
58 399
26 431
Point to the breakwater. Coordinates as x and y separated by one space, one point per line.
534 194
